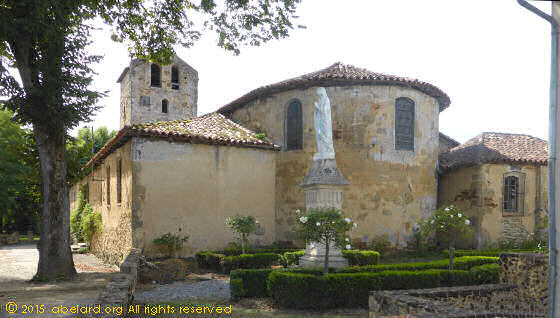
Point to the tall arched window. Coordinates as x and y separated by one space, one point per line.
164 106
294 126
174 77
511 194
404 124
155 75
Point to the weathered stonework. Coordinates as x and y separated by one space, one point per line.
135 87
478 190
522 292
389 189
122 287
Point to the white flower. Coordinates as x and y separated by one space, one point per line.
446 209
441 226
432 222
451 215
459 215
257 222
298 211
338 212
348 246
355 225
333 222
303 219
467 222
318 224
347 239
347 220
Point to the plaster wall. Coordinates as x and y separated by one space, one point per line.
478 190
389 189
115 241
182 102
190 189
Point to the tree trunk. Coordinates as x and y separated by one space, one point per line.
55 257
326 265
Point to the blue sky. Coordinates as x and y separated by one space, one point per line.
491 57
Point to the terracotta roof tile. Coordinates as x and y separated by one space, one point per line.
491 147
339 74
212 128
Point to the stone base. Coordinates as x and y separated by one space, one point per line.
319 261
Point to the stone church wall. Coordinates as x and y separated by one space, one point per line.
389 189
190 189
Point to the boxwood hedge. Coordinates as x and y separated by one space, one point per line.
459 263
494 252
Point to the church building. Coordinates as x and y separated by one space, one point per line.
169 170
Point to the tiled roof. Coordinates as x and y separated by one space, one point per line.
212 128
449 139
491 147
339 74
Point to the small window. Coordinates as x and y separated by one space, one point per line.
164 106
119 181
294 126
145 100
513 195
404 124
155 76
108 185
174 77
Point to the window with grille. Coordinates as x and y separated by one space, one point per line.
513 193
108 185
155 76
404 124
294 126
119 181
174 77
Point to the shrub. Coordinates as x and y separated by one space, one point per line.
292 258
485 274
449 223
77 214
326 226
173 242
361 258
249 282
460 263
308 291
243 226
90 223
260 260
237 251
492 252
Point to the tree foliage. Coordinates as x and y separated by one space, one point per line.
449 223
243 226
80 149
327 226
45 41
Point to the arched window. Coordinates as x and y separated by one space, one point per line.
164 105
174 77
155 75
404 124
294 126
511 194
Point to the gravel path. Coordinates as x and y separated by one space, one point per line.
215 289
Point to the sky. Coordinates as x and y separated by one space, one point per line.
491 57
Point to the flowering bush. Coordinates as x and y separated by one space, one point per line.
243 226
327 226
449 223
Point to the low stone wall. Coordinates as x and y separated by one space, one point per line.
121 288
522 292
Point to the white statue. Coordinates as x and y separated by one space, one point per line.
323 126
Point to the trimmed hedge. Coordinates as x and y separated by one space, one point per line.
459 263
237 251
292 258
307 291
494 252
361 258
249 282
485 274
224 264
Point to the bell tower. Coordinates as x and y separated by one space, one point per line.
151 92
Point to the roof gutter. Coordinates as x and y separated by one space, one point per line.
553 283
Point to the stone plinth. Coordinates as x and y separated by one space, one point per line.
323 188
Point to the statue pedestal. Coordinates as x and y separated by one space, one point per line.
323 188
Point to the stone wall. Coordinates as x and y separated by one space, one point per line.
121 288
521 292
389 189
